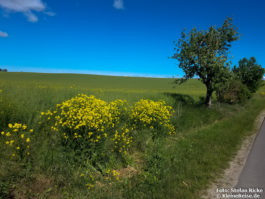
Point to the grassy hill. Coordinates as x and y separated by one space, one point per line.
97 84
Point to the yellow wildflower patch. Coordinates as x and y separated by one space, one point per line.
85 118
14 140
151 114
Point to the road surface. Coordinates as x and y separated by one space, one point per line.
252 177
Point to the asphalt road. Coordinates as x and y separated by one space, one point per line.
253 173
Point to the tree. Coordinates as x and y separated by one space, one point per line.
250 73
205 54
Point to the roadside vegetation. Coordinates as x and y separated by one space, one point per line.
53 162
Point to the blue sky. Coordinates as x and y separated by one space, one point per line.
117 37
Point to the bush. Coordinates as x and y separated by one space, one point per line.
249 73
85 122
153 115
233 92
3 70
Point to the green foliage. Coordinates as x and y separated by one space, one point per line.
205 54
233 92
4 190
7 111
250 73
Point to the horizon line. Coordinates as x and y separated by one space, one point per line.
87 72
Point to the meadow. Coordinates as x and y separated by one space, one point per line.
171 166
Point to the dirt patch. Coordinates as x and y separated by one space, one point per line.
40 186
127 172
231 175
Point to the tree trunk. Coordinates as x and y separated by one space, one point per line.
208 101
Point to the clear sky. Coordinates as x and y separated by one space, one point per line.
119 37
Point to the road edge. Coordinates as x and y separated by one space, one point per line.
230 176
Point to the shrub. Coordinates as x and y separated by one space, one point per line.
85 121
233 92
249 73
3 70
153 115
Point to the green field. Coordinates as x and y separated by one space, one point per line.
107 87
178 166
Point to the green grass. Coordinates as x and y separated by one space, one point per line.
173 167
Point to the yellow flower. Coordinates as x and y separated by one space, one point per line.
28 153
31 130
7 142
22 136
28 140
81 175
3 133
89 186
8 134
148 113
10 126
18 148
24 127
